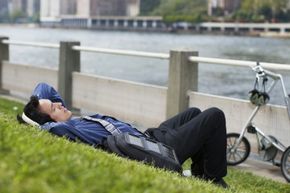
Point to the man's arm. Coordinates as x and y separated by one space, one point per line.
72 134
45 91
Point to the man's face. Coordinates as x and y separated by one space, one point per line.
56 111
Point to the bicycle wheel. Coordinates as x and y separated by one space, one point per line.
285 164
240 153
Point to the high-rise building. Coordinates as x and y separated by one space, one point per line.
4 8
231 6
68 7
88 8
83 8
33 7
57 8
17 6
91 8
50 8
133 7
108 8
15 9
227 6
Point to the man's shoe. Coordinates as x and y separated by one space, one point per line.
221 183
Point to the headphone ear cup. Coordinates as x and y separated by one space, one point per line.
260 100
254 96
266 97
263 98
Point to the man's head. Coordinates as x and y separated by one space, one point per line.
43 110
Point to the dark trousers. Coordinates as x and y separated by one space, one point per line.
200 136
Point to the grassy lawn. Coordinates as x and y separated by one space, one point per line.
34 161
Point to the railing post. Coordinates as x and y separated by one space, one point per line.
183 76
69 61
4 55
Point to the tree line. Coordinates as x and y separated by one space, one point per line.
196 11
263 11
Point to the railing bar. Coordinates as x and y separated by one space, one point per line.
34 44
230 62
244 63
122 52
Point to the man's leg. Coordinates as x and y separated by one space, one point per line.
197 165
173 123
205 132
180 119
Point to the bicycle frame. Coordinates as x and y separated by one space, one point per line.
275 77
279 146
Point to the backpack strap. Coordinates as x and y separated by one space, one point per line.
106 124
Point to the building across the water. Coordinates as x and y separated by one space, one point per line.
19 8
90 13
56 9
4 10
223 7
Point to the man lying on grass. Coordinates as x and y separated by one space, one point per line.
193 134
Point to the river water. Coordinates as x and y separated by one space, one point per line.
213 79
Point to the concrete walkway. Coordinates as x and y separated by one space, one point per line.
261 168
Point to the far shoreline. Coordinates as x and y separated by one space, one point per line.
263 34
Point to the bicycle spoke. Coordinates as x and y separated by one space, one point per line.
241 156
234 155
229 156
242 146
230 142
241 150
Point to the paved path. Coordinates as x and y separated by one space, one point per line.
262 168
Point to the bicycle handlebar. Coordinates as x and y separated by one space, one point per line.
260 72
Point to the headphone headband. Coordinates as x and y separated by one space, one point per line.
28 120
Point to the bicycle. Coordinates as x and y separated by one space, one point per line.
238 146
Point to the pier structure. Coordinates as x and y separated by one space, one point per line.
281 28
101 22
157 24
143 105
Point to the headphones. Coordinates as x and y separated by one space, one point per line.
28 120
259 97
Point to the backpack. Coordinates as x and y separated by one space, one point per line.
143 149
138 148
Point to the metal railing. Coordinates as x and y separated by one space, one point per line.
163 56
122 52
244 63
91 49
33 44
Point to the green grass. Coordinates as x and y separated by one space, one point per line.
35 161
